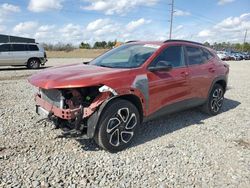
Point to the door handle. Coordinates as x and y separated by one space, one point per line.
211 69
184 74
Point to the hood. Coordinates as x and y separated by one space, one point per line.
73 76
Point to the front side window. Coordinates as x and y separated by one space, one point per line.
18 47
5 48
126 56
194 55
172 55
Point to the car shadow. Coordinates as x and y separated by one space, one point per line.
158 127
176 121
22 68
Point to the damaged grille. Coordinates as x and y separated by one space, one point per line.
53 96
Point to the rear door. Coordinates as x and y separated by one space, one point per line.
5 55
20 54
201 69
33 51
168 87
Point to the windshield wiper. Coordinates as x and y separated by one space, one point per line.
101 65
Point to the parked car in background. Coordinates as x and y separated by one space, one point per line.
131 84
246 55
237 56
225 56
221 55
31 55
233 55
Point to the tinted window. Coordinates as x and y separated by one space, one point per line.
172 55
195 55
207 54
33 48
18 47
4 47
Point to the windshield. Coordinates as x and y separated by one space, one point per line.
126 56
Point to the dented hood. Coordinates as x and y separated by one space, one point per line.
73 76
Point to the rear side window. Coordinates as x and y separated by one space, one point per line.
195 55
5 48
33 48
18 47
172 55
207 54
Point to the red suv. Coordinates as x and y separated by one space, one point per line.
114 93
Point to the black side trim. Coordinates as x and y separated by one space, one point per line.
91 124
219 78
178 106
93 120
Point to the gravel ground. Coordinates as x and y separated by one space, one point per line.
187 149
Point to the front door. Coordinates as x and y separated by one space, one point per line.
168 87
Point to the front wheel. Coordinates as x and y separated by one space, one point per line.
215 100
117 125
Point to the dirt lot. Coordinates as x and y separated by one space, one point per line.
187 149
77 53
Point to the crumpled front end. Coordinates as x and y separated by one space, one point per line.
73 106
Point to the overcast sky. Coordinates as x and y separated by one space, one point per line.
66 21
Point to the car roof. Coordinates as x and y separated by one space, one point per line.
19 43
166 42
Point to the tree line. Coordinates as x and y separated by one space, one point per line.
83 45
229 46
110 44
98 45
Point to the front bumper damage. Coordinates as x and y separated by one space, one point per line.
79 119
47 109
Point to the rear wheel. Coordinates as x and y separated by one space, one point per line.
215 100
33 63
117 125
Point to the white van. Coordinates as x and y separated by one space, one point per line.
31 55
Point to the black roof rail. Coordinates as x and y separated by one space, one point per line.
131 41
176 40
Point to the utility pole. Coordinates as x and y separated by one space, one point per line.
245 37
171 19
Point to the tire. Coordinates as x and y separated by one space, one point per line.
215 101
117 125
33 63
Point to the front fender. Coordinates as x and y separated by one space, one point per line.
93 120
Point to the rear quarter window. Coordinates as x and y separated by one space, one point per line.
194 55
207 54
33 48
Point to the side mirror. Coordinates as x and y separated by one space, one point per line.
161 66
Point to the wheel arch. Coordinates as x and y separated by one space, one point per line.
223 83
222 80
93 120
136 101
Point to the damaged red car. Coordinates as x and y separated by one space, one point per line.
133 83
